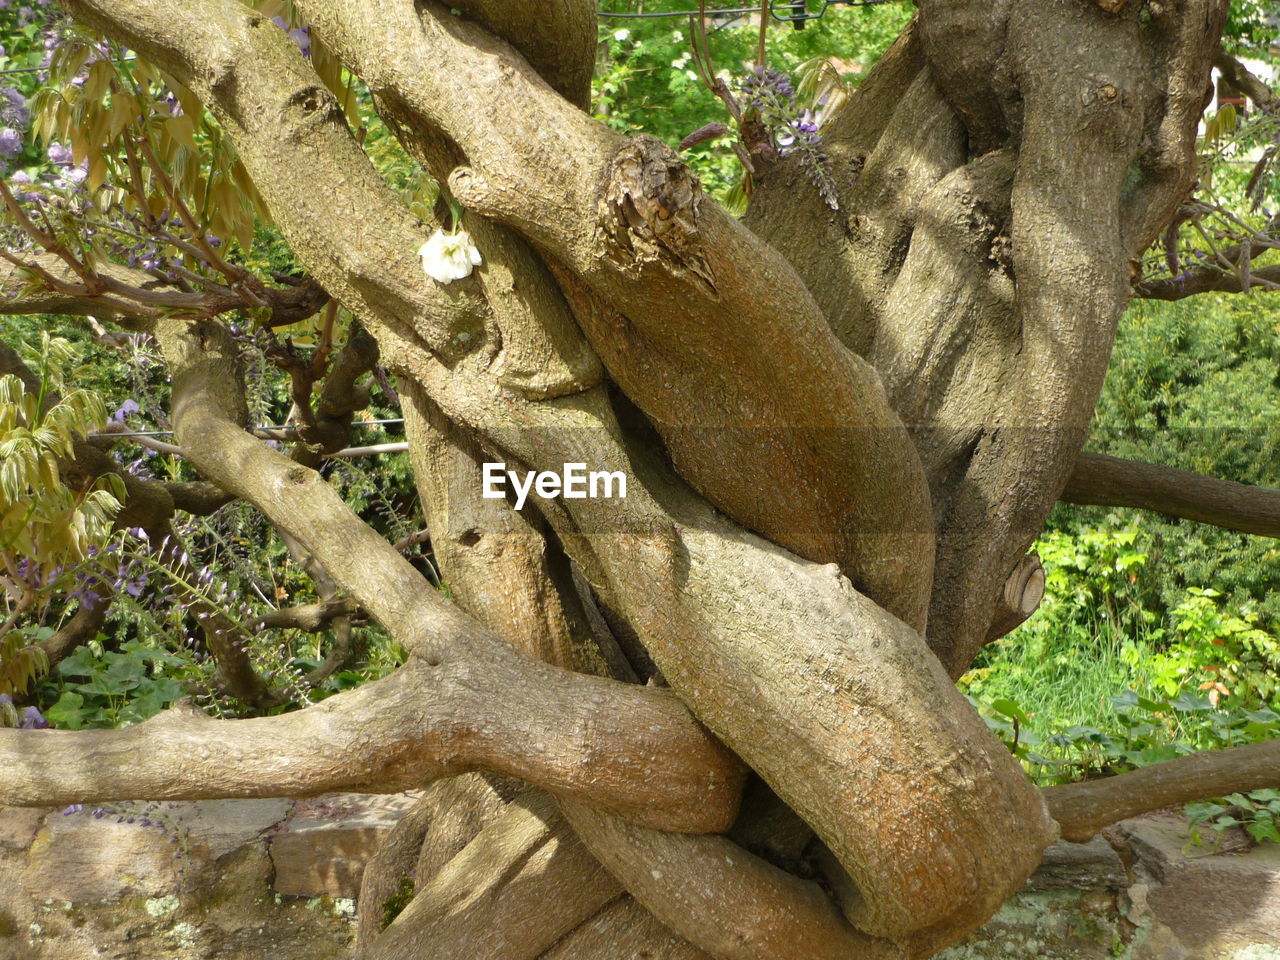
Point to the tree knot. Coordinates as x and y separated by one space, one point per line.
649 213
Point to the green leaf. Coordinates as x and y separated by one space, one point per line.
67 711
1009 709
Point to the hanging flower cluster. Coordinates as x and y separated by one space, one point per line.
772 97
14 117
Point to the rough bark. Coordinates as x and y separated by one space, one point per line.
804 428
717 895
521 885
837 383
417 726
881 702
965 283
499 565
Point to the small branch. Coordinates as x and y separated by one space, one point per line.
131 298
1238 75
46 237
370 451
151 443
81 628
1206 280
241 280
227 640
1111 482
337 656
412 540
1082 809
161 446
308 617
198 497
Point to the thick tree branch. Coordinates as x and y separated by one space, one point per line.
716 895
889 144
573 735
811 444
559 42
1112 482
521 885
1082 809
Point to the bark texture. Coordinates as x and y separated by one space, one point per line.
841 432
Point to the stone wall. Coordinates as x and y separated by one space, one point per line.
247 879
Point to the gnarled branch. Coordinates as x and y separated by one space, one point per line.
810 442
496 710
1206 280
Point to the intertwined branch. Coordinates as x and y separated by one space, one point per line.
852 418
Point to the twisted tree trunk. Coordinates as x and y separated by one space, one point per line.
841 429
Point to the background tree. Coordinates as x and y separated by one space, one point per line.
844 420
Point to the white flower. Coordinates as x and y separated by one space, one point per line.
622 36
449 256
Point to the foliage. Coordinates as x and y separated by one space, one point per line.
647 78
1253 26
47 528
1144 731
1193 385
111 688
394 905
1256 813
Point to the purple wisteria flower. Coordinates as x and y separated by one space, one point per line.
84 593
772 98
299 35
33 719
766 86
302 37
130 406
14 117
